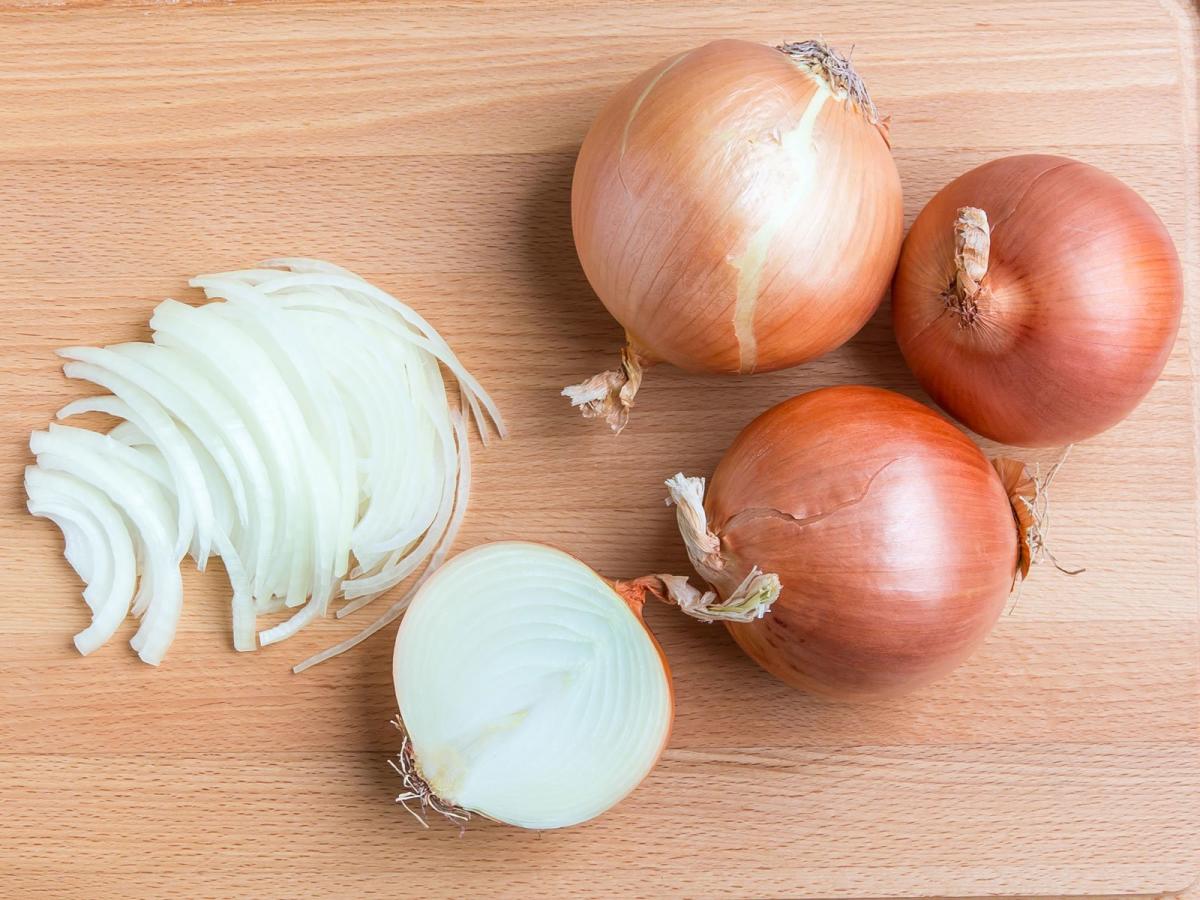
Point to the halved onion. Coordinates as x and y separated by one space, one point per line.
530 689
300 430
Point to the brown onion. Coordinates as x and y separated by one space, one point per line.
737 210
1037 300
893 537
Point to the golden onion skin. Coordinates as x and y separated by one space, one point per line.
733 213
1075 317
891 533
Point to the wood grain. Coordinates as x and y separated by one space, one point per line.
430 146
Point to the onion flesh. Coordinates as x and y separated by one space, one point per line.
297 426
530 689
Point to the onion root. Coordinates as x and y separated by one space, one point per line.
416 788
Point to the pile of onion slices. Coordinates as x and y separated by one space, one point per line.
297 427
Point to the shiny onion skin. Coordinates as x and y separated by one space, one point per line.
1066 309
893 537
737 209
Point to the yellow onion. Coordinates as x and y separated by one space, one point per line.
1037 300
894 539
737 209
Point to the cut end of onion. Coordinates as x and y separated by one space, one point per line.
610 394
703 547
530 690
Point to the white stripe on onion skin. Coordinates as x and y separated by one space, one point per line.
530 689
297 426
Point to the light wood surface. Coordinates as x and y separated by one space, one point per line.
430 147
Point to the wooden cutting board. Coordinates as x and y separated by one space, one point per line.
430 147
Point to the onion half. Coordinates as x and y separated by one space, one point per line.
531 690
895 540
1037 300
737 209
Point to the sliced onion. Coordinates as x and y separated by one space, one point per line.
113 573
297 427
117 470
530 689
190 490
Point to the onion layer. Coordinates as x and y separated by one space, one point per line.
737 209
1037 300
894 539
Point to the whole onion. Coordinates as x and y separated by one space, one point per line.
894 539
737 209
1037 300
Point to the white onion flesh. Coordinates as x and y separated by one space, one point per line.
529 689
297 426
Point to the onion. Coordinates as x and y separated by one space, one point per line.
531 690
300 430
737 209
895 541
1037 300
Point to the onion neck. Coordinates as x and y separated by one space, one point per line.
609 395
972 245
749 601
823 62
744 601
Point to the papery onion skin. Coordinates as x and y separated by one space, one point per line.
1076 315
891 533
734 213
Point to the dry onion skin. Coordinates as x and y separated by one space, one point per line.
297 427
1037 300
895 540
737 210
531 690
